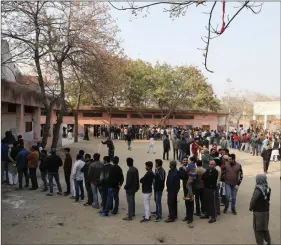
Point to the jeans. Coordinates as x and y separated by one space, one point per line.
131 204
79 185
229 144
44 179
111 154
243 145
199 200
33 177
158 202
182 154
255 150
95 191
166 153
57 179
176 154
112 194
217 199
129 145
67 181
89 192
236 145
151 147
146 203
104 191
22 171
247 147
230 192
173 204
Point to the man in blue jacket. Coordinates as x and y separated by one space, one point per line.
22 167
4 160
173 187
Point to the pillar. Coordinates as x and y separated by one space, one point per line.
20 123
36 116
265 121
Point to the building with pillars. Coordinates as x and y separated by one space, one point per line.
21 105
268 113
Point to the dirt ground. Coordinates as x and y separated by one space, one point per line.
30 217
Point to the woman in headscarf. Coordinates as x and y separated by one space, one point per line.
260 206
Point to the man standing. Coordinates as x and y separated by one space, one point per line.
183 175
94 178
33 159
175 142
199 189
85 170
173 187
166 147
131 187
182 148
53 163
210 185
78 177
232 176
104 182
115 181
159 184
22 167
110 147
4 160
67 166
147 181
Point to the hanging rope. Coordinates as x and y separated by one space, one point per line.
223 14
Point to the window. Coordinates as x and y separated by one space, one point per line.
28 109
43 112
12 108
159 116
28 126
188 117
92 114
68 114
141 116
119 115
206 127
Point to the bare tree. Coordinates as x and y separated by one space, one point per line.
180 8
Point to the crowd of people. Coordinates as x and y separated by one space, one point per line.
210 179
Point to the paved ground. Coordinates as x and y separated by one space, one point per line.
30 217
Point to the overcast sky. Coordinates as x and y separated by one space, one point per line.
248 52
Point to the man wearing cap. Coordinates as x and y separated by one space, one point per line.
53 163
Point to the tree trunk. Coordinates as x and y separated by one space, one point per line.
62 108
46 128
75 126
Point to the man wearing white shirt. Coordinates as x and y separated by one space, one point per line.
78 177
151 144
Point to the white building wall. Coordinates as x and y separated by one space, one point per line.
267 108
9 70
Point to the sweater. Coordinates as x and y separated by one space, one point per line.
159 179
105 175
86 168
76 171
147 181
116 177
67 166
173 181
22 159
53 162
210 178
132 181
33 159
95 172
232 174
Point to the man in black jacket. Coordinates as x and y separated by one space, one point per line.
104 182
159 184
173 187
210 178
85 170
166 147
110 147
43 169
131 187
53 163
147 181
115 181
184 177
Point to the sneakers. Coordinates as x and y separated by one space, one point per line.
144 220
49 194
103 214
169 220
158 219
66 193
212 221
59 193
225 210
127 218
234 212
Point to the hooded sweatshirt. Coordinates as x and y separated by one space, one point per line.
160 177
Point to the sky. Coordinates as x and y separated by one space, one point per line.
248 52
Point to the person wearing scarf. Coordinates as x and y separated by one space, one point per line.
260 206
